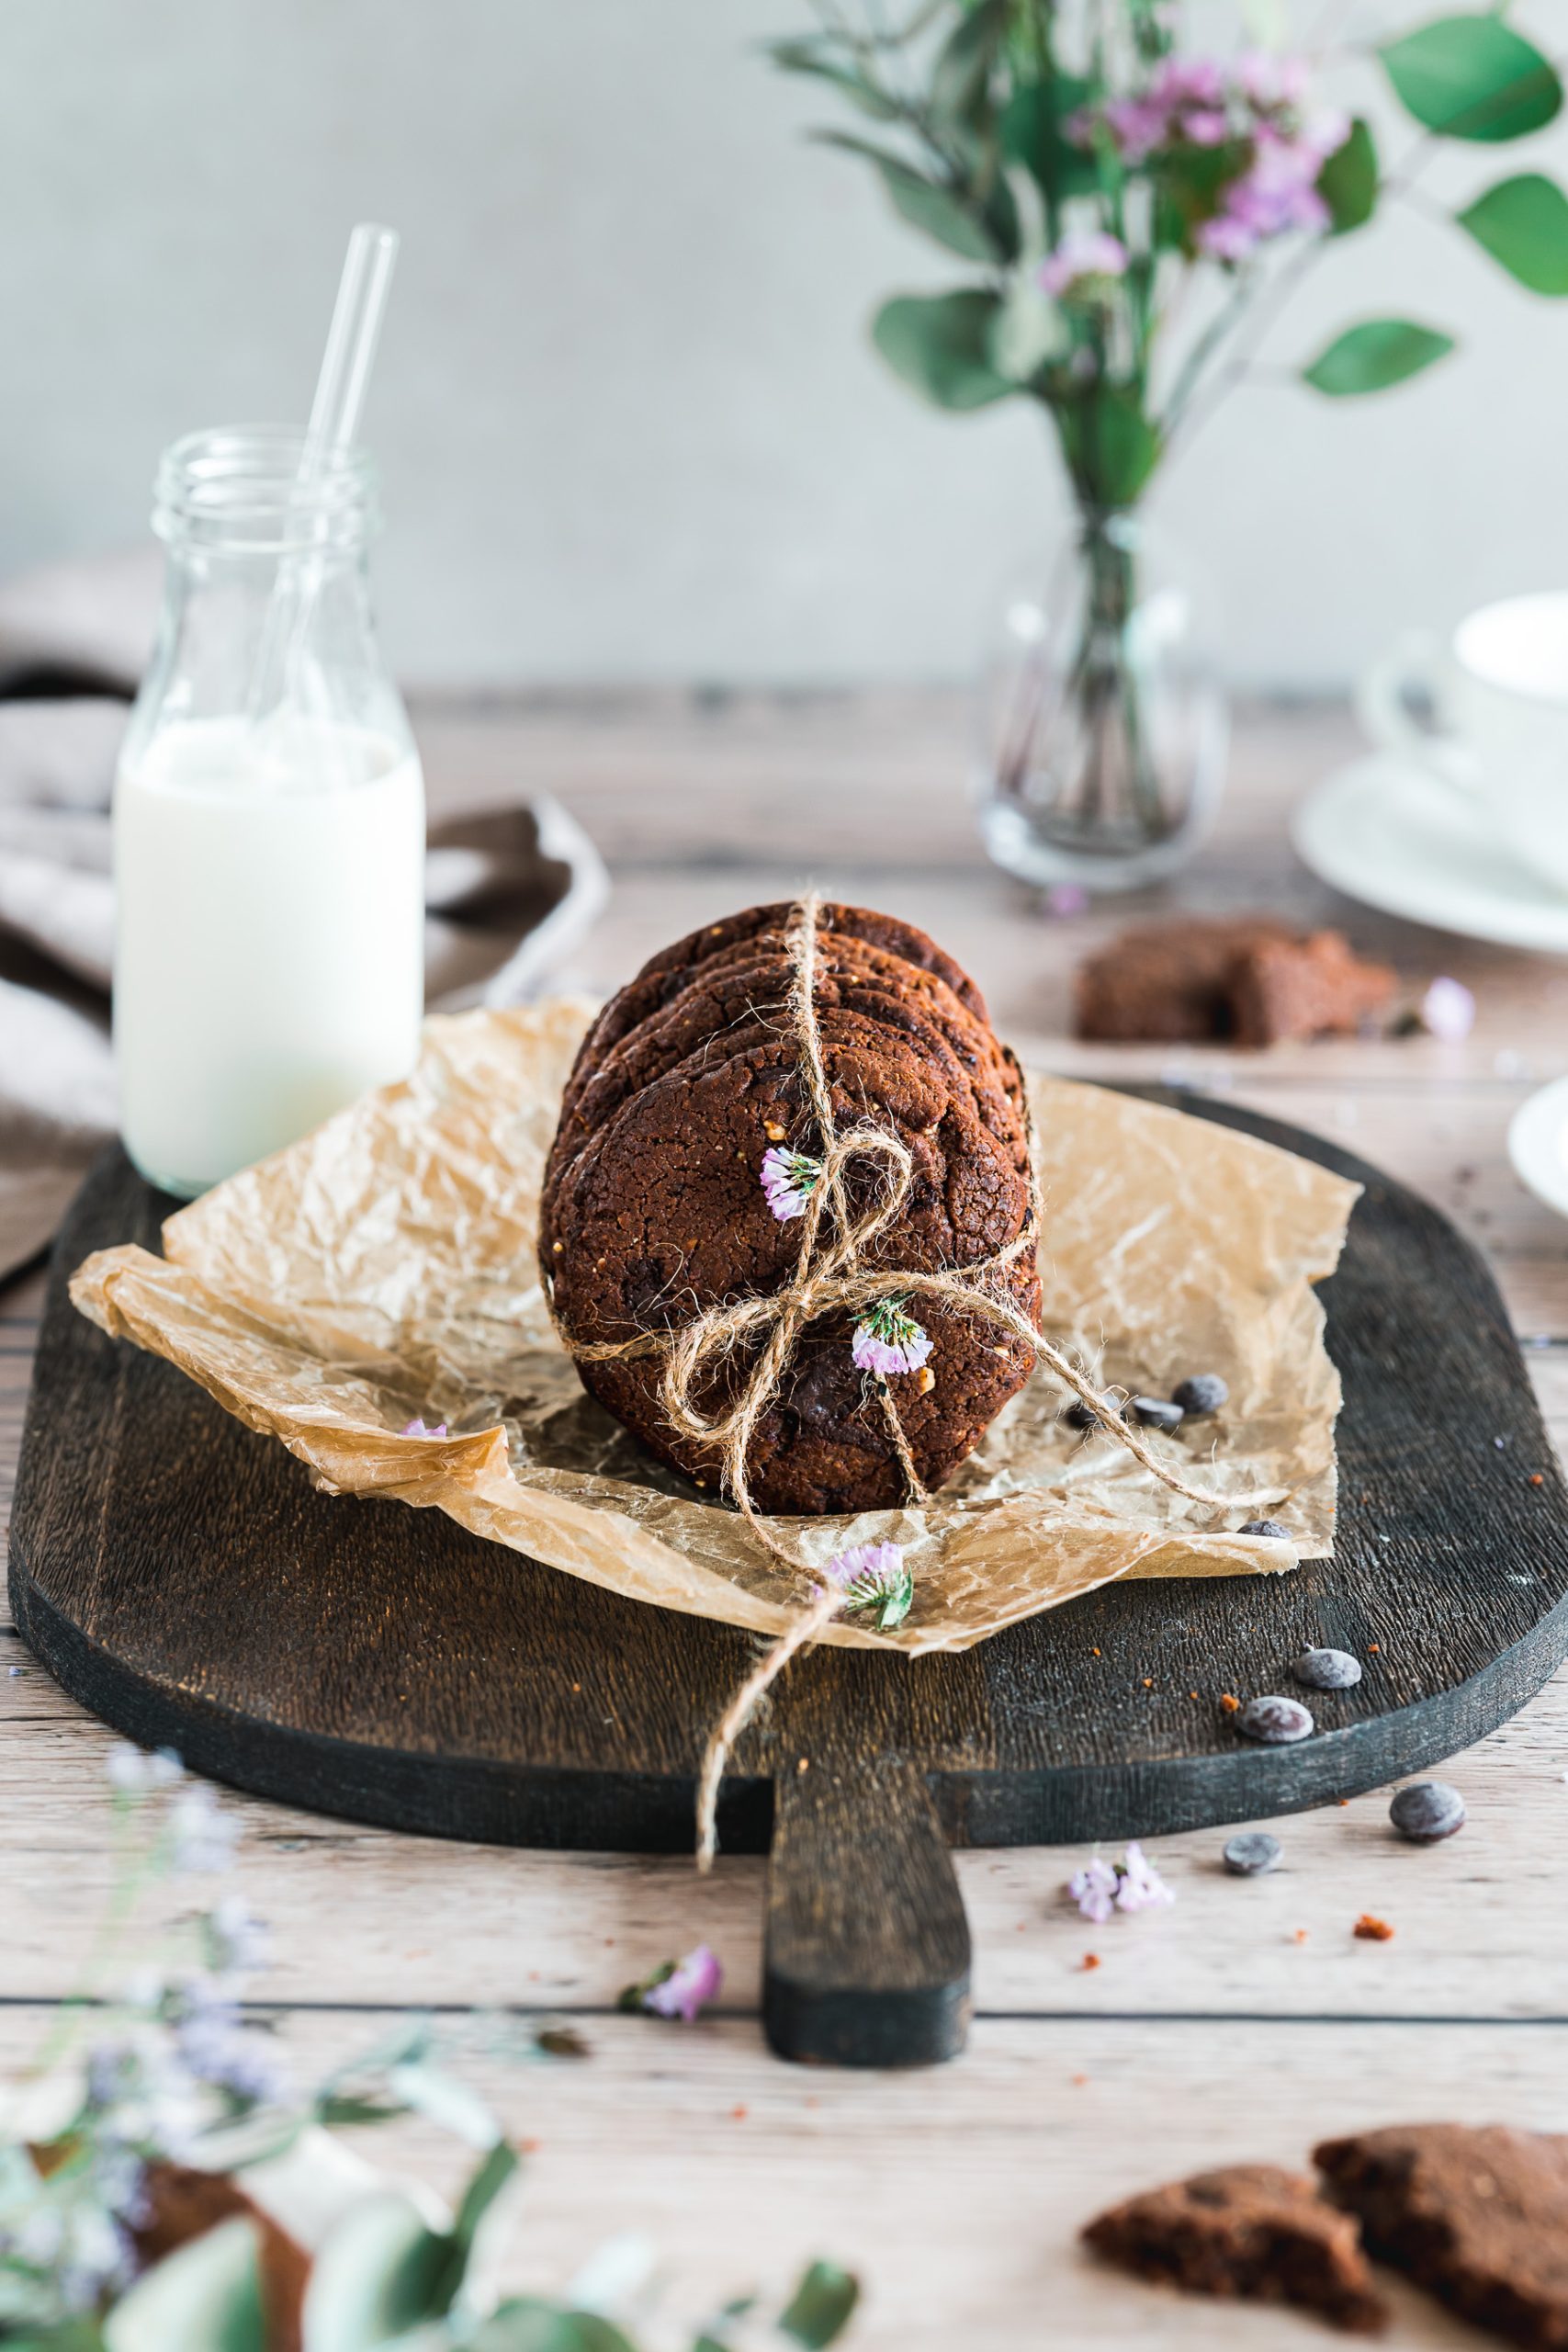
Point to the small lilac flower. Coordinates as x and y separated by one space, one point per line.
684 1987
887 1340
1067 899
1141 1886
138 1772
203 1837
1131 1885
1082 254
416 1428
236 1941
789 1179
1447 1011
1093 1889
873 1575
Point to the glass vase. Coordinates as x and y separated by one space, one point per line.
1103 724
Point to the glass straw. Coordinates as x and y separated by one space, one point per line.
334 418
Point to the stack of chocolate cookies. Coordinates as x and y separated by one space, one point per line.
655 1209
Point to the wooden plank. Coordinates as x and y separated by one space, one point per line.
957 2197
365 1913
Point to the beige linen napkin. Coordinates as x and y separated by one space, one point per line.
509 890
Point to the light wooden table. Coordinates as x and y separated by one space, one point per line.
1241 2024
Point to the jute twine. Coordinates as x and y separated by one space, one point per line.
830 1278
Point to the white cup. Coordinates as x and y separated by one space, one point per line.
1498 693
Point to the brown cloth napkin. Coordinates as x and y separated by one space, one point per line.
509 890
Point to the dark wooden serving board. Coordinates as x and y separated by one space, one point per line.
183 1579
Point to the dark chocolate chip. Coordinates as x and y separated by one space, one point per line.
1425 1811
1266 1527
1252 1853
1275 1721
1205 1392
1080 1416
1156 1414
1328 1669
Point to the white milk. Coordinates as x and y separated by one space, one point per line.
269 956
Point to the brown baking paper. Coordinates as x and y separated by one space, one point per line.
384 1269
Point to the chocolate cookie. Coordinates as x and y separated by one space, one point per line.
739 998
1477 2214
659 1213
1245 2229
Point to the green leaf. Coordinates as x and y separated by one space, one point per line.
962 73
937 211
1032 135
445 2101
1371 358
813 59
524 2324
1473 77
818 2312
1523 223
485 2183
939 343
1111 447
1348 180
1026 331
378 2272
205 2297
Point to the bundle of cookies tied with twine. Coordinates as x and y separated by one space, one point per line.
858 1306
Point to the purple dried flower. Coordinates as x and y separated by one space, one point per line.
1067 899
685 1986
202 1837
416 1428
789 1179
1447 1011
138 1772
1131 1885
1140 1885
1082 254
1093 1889
888 1341
873 1575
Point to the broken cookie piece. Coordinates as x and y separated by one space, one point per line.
1477 2214
1252 2231
1248 982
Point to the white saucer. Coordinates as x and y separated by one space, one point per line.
1538 1144
1385 833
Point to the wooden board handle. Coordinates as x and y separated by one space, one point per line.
867 1954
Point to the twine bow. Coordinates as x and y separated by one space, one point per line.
831 1277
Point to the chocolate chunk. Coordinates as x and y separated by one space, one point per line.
1328 1669
1425 1811
1266 1527
1252 1853
1205 1392
1156 1414
1274 1721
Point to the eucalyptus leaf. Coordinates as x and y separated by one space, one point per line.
1523 223
1374 355
1032 136
820 2308
963 70
527 2324
1026 331
445 2101
380 2272
1348 180
205 2297
1111 447
810 58
1473 77
924 203
939 343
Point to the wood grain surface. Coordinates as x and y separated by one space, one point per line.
1237 2025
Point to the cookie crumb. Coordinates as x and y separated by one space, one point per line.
1090 1960
1372 1931
1231 1705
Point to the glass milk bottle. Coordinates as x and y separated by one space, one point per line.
268 819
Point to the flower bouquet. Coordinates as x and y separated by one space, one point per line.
1132 215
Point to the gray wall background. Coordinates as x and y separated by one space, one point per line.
628 421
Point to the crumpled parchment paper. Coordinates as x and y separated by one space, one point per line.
384 1269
